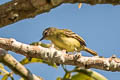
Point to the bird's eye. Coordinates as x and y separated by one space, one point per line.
45 33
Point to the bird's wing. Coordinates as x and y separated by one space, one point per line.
69 33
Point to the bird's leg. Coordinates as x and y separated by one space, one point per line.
64 51
52 45
77 55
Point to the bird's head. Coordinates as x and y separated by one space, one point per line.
48 33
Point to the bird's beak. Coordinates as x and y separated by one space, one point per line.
42 38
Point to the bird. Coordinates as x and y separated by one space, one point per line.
65 39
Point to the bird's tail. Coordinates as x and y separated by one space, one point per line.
90 51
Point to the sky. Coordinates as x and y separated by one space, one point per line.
99 25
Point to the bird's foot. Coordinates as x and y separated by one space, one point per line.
77 55
52 45
96 56
64 51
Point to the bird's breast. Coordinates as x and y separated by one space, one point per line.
68 44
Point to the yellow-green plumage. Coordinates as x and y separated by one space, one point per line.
67 43
65 39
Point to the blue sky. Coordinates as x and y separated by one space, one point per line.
99 25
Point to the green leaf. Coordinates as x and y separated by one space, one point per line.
59 78
34 60
1 73
5 77
22 79
11 78
98 76
81 76
67 76
41 44
86 74
1 66
2 70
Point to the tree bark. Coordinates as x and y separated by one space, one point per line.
17 10
60 57
15 66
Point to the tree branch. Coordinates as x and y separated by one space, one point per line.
15 66
17 10
59 57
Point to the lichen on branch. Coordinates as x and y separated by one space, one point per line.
60 57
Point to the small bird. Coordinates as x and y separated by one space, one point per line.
67 40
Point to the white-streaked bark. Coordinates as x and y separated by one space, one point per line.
60 57
15 66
